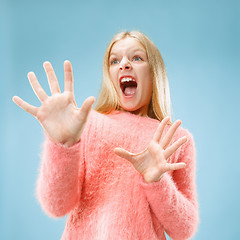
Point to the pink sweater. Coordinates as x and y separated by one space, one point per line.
105 197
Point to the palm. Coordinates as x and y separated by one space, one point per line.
59 115
152 162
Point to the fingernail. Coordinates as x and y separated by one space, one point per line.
30 74
46 62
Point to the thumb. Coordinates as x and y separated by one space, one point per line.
123 153
86 108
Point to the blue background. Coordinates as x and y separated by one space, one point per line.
199 42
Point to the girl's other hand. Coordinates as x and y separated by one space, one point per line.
58 114
152 162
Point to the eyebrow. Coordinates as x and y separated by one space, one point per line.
133 50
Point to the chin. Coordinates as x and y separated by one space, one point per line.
134 110
129 108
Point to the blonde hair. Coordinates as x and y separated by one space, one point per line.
160 105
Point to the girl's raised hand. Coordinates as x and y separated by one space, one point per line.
58 114
152 162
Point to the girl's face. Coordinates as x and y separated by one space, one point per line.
131 75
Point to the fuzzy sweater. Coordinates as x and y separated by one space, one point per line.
105 197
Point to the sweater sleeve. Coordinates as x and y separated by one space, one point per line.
173 199
60 178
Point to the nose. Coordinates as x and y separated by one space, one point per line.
125 64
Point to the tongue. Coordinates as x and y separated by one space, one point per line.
130 91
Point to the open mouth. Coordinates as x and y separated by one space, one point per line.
128 86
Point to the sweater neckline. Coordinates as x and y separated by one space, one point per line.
118 113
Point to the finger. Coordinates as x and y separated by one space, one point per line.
158 134
38 90
25 106
52 79
176 166
170 150
68 76
86 108
123 153
168 137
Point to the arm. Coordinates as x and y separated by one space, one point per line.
61 170
174 199
171 199
60 178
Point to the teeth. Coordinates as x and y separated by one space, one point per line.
127 79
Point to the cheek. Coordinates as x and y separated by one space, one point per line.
149 89
148 86
148 80
113 75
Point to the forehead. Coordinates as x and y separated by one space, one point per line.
127 44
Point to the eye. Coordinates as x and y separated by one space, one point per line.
114 61
137 58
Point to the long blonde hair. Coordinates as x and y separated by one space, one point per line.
160 105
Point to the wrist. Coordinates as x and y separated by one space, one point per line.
152 179
66 143
70 143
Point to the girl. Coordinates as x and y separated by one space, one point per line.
122 171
